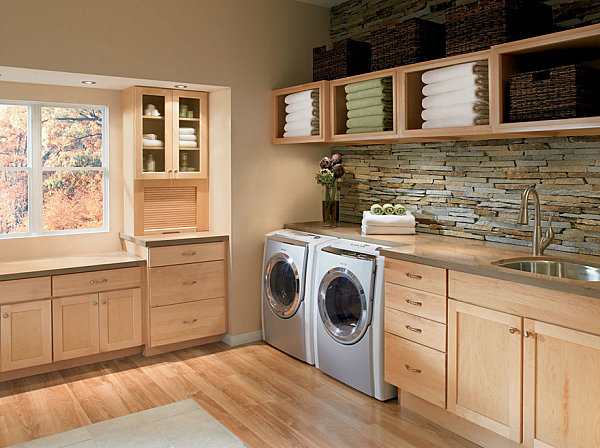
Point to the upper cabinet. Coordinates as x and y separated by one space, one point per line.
168 130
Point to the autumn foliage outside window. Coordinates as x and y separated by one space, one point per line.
53 169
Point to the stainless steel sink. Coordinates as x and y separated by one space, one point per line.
552 267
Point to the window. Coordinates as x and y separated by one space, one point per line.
53 169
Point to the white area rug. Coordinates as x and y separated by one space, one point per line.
183 424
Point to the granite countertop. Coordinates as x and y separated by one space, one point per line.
12 270
174 239
462 254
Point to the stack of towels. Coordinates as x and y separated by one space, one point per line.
302 114
369 105
151 140
188 138
456 96
388 219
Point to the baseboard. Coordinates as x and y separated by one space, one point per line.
240 339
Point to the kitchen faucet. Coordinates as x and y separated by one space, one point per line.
539 243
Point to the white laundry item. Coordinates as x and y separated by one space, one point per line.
304 114
304 132
451 85
372 220
150 136
479 108
379 230
187 144
301 124
148 142
454 71
470 95
295 107
453 122
187 131
188 137
298 97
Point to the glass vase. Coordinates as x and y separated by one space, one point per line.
331 205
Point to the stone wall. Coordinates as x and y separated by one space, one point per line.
357 18
472 189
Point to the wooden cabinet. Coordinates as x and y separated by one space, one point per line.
561 393
120 319
484 367
26 335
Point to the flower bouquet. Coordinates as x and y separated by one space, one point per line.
330 172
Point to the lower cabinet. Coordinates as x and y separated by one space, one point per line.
25 334
485 367
92 323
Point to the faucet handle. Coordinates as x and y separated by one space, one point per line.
549 236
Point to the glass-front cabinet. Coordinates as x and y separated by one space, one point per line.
171 135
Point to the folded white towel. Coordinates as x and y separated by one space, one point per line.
479 108
187 131
187 144
462 96
454 71
188 137
298 97
378 230
304 132
372 220
453 122
150 136
304 114
464 82
297 125
295 107
148 142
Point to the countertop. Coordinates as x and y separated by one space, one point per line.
174 239
39 267
462 254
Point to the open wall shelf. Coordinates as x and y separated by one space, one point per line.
577 46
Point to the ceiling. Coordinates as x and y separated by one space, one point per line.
323 3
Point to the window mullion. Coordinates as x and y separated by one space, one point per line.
35 195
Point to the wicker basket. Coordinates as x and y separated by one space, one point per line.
407 42
561 92
340 59
478 26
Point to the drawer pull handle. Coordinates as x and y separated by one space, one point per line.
188 254
190 321
410 369
416 330
95 282
513 330
412 302
414 276
5 315
193 282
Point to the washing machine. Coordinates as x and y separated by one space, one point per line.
349 284
287 291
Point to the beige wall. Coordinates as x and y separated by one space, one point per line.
252 46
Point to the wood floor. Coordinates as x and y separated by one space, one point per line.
266 398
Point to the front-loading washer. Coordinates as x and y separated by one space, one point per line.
287 291
349 285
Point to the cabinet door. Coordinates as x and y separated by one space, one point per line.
75 322
120 319
190 135
561 387
26 335
484 368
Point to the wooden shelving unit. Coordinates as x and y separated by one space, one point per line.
581 45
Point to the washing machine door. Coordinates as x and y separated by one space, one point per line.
282 285
344 305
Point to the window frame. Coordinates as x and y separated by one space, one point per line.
35 170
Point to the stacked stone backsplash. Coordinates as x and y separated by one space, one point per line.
473 189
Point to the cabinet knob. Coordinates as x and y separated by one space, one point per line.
526 334
5 315
94 302
176 171
95 282
103 302
513 330
170 171
410 369
193 282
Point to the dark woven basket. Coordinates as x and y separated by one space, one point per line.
407 42
485 23
340 59
561 92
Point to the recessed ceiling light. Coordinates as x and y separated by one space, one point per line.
180 86
89 83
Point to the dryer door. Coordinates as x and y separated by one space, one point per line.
282 285
344 306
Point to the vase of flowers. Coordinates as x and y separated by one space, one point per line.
330 173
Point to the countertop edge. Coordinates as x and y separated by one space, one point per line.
173 242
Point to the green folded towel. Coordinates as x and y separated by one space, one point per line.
399 210
377 92
388 209
377 209
369 102
371 110
369 121
370 84
366 129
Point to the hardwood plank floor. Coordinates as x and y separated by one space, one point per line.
266 398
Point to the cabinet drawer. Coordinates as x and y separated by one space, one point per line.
13 291
187 321
423 304
424 331
415 369
418 276
187 253
91 282
186 283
